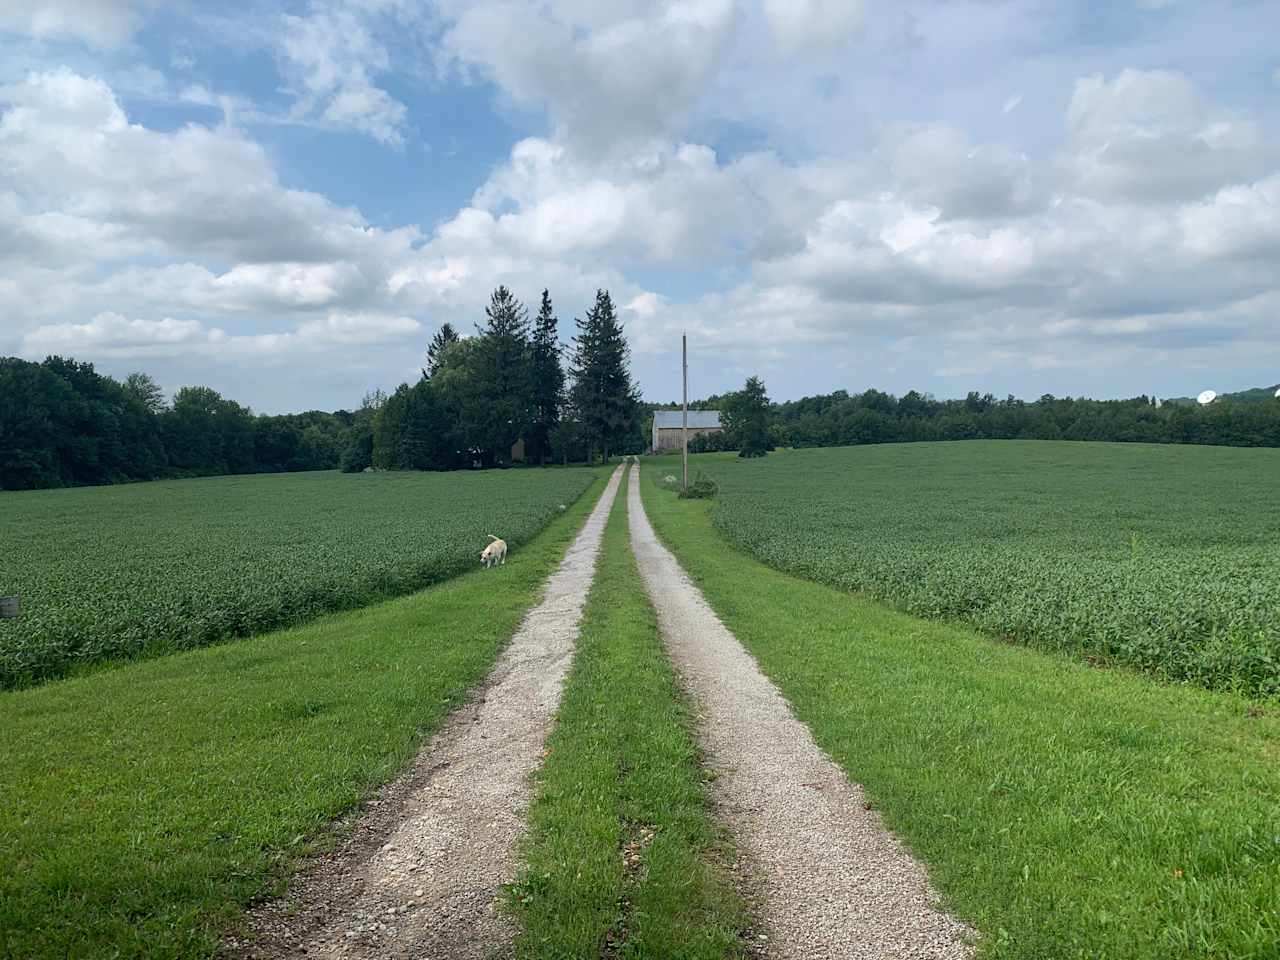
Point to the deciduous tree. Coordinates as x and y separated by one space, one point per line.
746 416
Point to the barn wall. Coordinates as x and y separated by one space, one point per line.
669 439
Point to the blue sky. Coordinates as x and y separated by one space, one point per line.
285 201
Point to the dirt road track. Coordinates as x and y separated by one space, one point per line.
834 881
421 874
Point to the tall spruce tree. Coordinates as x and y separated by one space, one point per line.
498 406
606 401
548 381
444 337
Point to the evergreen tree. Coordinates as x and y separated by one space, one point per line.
548 381
497 402
606 400
444 337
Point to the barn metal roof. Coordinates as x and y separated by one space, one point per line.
698 419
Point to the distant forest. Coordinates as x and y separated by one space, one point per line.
511 386
843 419
63 424
480 401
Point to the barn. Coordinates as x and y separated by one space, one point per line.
667 424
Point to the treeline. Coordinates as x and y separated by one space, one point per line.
506 394
486 400
841 419
64 424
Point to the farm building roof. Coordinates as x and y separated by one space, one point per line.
698 419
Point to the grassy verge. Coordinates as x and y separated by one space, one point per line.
1066 811
142 806
619 859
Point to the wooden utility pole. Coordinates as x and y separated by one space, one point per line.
684 422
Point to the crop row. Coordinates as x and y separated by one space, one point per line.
145 569
1165 559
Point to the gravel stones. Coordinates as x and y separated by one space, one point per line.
833 881
422 872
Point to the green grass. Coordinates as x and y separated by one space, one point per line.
621 778
1165 558
107 573
143 805
1066 811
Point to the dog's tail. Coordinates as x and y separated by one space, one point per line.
492 537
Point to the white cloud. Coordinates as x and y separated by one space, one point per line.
769 204
112 335
1150 136
606 73
1237 222
197 191
329 54
344 329
938 166
656 204
802 24
251 285
98 23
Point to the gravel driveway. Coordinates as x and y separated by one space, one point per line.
426 862
833 881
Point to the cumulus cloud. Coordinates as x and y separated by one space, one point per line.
191 199
1151 136
1240 221
655 204
111 334
607 73
939 166
665 154
196 190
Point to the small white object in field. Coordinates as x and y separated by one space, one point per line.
563 507
1205 398
668 479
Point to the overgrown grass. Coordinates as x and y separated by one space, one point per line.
621 856
1066 811
141 570
143 805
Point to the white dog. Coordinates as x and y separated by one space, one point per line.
495 553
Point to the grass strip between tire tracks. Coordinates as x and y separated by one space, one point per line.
1064 810
142 806
622 858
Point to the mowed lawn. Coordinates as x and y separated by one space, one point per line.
1161 557
1065 811
145 569
143 805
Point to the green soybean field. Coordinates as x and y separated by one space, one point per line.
1163 558
145 569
